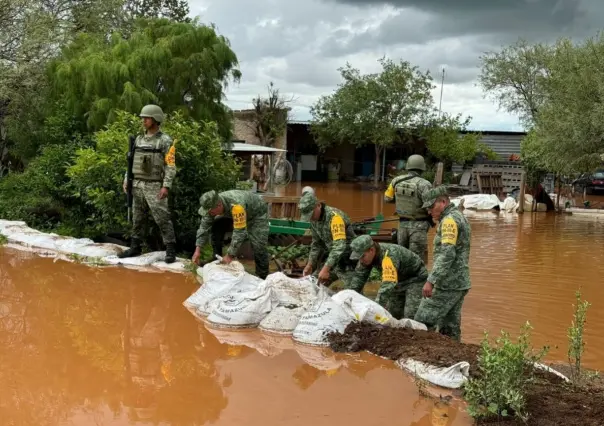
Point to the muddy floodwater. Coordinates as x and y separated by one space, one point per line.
112 346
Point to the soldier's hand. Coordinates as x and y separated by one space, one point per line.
196 255
227 259
307 270
427 290
324 274
125 186
163 193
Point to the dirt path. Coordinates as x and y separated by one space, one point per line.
550 401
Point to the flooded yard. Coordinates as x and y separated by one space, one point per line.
112 346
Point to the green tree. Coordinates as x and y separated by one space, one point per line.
375 108
180 66
270 116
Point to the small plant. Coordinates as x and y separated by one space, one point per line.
245 185
190 267
576 344
3 240
506 369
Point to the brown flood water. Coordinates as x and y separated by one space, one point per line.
87 346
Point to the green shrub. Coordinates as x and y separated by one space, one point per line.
506 369
576 344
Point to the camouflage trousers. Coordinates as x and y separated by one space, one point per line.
145 196
343 271
257 232
414 236
402 301
442 312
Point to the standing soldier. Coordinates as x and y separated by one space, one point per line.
403 274
154 169
332 234
406 192
449 280
248 213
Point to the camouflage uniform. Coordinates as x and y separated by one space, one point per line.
331 235
450 273
406 191
403 275
248 213
154 168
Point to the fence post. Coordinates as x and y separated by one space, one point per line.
438 178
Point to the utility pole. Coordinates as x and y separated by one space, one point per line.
442 85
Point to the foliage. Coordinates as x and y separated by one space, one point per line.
245 185
3 239
180 66
373 108
515 77
576 344
288 254
506 369
270 116
445 142
98 173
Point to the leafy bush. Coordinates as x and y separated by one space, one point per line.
98 173
505 371
576 345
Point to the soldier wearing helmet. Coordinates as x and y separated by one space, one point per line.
154 169
406 192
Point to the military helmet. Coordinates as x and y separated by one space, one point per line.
416 162
154 112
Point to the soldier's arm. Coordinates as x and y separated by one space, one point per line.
389 194
338 237
360 276
446 254
315 247
239 214
390 267
203 232
423 187
169 149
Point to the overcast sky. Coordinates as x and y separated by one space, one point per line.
300 45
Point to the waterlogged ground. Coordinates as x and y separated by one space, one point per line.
87 346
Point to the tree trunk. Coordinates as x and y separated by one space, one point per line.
378 166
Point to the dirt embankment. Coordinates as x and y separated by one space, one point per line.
550 401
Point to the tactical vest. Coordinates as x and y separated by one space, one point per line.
407 200
148 162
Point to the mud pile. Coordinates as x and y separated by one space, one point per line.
550 400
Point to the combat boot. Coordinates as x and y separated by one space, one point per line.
136 249
170 253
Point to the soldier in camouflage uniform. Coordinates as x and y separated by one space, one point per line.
403 274
449 280
248 213
154 170
332 234
406 192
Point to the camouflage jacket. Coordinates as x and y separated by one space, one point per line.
244 207
169 152
423 186
398 266
331 234
451 260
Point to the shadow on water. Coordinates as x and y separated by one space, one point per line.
112 346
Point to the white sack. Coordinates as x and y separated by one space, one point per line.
291 291
282 320
409 323
363 309
477 201
447 377
243 309
509 205
323 316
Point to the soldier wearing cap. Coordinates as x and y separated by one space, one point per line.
406 191
248 213
403 274
332 233
449 280
154 169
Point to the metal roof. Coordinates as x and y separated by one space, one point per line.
249 147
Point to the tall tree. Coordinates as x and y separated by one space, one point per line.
374 108
515 76
270 116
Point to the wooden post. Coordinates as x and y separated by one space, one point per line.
522 190
438 179
559 192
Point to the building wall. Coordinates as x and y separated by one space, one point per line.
243 129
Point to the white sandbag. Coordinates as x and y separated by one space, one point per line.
544 367
477 201
362 308
509 205
447 377
220 280
291 291
323 316
409 323
282 320
243 309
